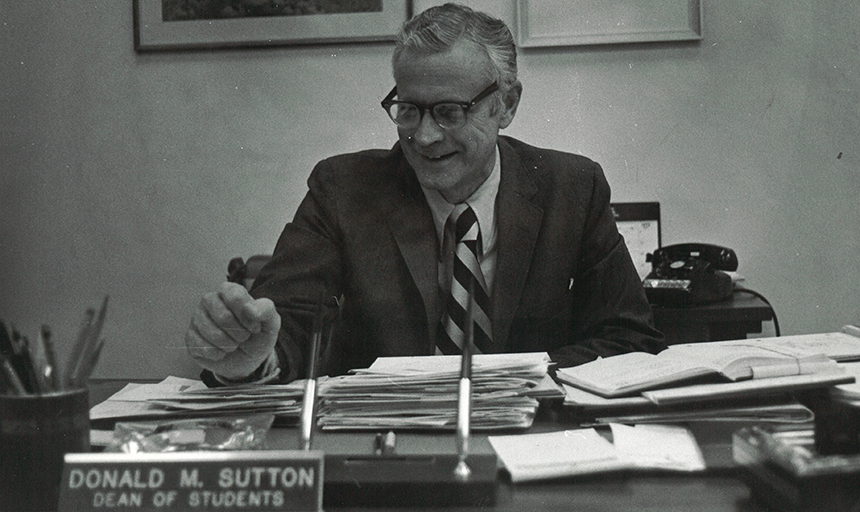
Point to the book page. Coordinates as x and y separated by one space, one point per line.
657 447
630 372
737 360
746 388
555 454
841 346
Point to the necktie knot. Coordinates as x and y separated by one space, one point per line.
462 227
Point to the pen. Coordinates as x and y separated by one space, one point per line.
42 368
7 348
385 444
88 345
464 395
309 399
23 363
10 376
78 347
90 363
50 357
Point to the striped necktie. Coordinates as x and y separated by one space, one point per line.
461 253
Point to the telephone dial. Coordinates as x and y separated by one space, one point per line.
689 274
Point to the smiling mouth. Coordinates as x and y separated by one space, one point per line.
437 158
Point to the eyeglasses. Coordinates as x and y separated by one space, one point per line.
447 114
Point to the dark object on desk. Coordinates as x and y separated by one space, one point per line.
409 480
785 472
732 319
689 274
837 424
36 431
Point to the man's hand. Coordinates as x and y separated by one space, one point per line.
231 333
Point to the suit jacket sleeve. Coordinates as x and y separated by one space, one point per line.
611 312
305 270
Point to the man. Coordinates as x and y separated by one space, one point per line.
539 264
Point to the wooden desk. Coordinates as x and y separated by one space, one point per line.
732 319
718 489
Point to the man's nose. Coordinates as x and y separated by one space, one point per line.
428 131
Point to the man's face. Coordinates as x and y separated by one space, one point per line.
454 162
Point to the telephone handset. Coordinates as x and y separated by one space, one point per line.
691 273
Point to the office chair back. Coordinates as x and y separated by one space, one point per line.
244 272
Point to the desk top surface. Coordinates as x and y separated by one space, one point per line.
740 307
718 489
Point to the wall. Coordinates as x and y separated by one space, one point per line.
141 175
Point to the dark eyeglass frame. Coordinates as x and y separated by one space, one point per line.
389 102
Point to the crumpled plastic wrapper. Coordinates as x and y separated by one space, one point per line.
210 434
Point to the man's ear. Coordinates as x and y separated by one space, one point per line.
510 102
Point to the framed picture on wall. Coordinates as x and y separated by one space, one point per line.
584 22
196 24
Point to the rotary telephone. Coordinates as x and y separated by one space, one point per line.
689 274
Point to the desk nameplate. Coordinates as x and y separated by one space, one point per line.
257 481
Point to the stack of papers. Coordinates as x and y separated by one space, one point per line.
417 393
585 451
590 408
176 397
737 379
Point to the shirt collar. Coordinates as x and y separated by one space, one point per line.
482 201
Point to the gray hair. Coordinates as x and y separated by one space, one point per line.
439 28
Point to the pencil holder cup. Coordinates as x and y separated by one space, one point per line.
36 431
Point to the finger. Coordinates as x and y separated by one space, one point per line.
262 312
241 305
224 314
217 324
201 349
261 344
238 365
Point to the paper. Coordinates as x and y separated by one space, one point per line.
657 447
176 397
593 409
480 362
634 372
556 454
421 393
746 388
584 451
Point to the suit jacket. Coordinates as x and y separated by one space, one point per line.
364 234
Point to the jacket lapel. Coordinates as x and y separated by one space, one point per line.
412 227
518 221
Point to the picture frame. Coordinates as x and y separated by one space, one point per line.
153 33
543 23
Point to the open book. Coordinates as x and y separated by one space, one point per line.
634 372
